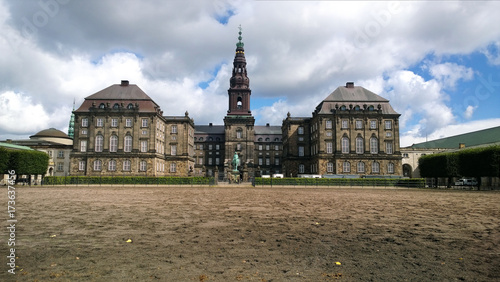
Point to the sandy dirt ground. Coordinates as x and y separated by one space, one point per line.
252 234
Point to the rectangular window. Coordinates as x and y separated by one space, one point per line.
268 148
373 145
173 167
97 165
238 134
361 167
375 167
276 161
99 122
328 124
388 148
345 124
210 146
373 124
144 132
85 122
60 154
217 161
260 147
128 122
83 145
174 128
113 143
142 166
201 146
209 161
238 147
268 161
84 131
328 134
329 167
114 122
329 147
276 147
60 166
126 165
347 167
112 165
144 122
217 147
173 150
260 161
81 165
390 168
301 168
301 130
144 146
359 124
359 145
388 124
301 151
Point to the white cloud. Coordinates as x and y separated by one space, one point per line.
413 136
469 111
411 95
449 73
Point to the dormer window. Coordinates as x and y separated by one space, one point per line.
130 106
102 106
116 106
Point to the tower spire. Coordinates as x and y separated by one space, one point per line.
71 128
239 89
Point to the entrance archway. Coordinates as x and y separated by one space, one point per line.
407 171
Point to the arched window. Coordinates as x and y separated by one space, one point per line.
142 166
102 106
267 139
98 143
113 143
116 106
345 145
329 167
239 133
260 139
130 106
239 104
359 145
361 167
373 145
375 167
127 144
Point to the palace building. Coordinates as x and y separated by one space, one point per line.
120 130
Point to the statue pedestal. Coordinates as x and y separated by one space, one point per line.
235 176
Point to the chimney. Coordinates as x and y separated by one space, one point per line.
267 124
124 83
349 85
461 145
210 124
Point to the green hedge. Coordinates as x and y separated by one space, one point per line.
28 162
475 162
386 182
4 161
141 180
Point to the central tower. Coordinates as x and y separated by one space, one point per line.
239 122
239 90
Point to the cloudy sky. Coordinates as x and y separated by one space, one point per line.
437 62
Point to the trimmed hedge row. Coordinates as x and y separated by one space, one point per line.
23 162
475 162
386 182
141 180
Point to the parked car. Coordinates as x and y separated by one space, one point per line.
466 182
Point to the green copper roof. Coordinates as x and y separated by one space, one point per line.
476 138
240 44
14 147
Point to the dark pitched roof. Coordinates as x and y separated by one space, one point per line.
267 130
476 138
121 94
209 129
354 95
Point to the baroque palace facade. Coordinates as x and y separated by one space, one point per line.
120 130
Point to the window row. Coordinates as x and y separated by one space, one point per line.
360 143
97 165
114 122
210 147
127 145
268 147
268 161
360 167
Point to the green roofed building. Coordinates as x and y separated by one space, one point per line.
411 154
